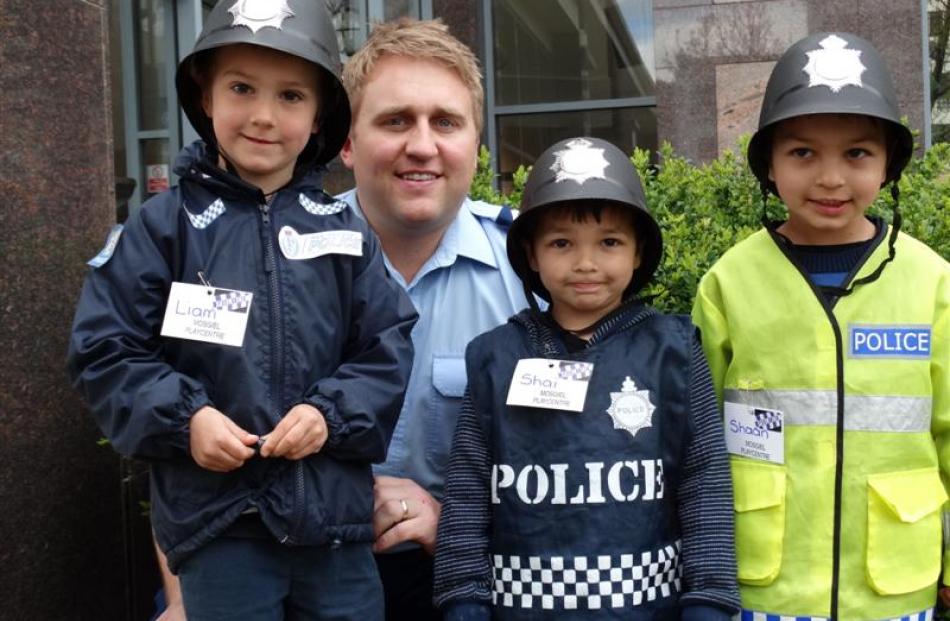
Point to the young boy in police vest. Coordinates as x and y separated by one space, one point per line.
588 477
828 338
242 334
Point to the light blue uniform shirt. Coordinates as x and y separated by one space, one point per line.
465 288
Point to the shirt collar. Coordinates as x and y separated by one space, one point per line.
465 237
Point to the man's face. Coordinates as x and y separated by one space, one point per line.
412 146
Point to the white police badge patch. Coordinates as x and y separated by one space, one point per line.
257 14
833 65
579 162
630 408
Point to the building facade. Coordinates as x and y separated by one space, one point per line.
635 72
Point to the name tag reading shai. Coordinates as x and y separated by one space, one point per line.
297 247
209 314
755 433
550 384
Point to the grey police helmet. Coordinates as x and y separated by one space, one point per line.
584 169
302 28
829 73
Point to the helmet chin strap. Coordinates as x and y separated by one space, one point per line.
891 242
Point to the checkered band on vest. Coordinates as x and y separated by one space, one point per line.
586 583
206 217
318 209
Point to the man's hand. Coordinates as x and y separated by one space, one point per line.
403 511
301 432
217 443
944 593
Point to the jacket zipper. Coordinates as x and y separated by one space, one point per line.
277 348
828 307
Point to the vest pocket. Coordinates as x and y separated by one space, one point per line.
904 530
759 490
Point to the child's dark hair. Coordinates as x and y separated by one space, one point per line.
579 211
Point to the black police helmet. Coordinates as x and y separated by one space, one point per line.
584 169
301 28
830 73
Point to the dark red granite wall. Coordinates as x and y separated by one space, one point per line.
61 545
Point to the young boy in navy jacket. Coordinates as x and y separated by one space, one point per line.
241 334
588 478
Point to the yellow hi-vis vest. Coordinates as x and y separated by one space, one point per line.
849 526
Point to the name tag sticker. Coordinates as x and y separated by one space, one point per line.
550 384
755 433
888 341
209 314
297 247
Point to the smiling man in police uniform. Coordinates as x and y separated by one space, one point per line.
412 148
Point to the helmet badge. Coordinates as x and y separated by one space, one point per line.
630 408
579 162
257 14
833 65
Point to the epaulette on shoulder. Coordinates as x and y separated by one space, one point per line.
499 214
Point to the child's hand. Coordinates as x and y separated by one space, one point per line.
217 443
301 432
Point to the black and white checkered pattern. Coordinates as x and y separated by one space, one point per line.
206 217
586 583
237 301
767 419
575 370
317 209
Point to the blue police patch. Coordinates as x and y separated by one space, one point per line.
889 341
106 253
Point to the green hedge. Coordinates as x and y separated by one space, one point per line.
705 209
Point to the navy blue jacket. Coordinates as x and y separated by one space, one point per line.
622 511
331 331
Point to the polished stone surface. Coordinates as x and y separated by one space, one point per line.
711 58
62 555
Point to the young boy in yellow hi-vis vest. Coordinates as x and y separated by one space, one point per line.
828 337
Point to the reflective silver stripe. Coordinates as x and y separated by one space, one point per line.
862 413
755 615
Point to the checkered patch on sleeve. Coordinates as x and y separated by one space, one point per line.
767 419
318 209
575 370
586 583
206 217
235 301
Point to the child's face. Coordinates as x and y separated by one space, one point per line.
263 106
828 169
585 266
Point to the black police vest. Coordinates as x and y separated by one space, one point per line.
584 505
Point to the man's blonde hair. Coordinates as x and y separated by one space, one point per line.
416 39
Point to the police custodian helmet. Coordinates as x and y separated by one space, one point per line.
301 28
829 73
584 169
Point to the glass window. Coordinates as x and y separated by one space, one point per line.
523 137
940 70
155 169
151 51
572 50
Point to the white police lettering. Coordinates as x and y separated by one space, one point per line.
889 341
557 484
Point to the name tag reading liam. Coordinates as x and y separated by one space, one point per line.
209 314
755 433
550 384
